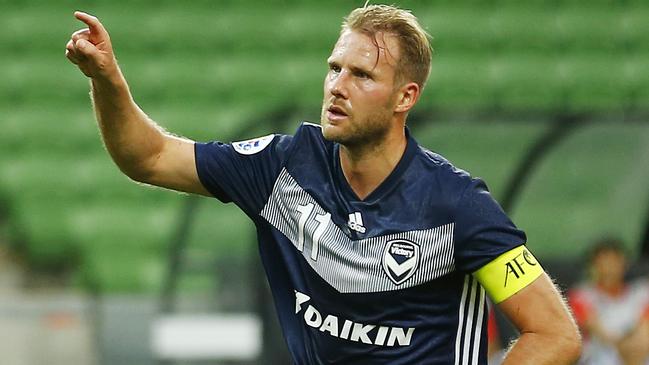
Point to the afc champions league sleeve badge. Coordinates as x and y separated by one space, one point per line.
252 146
400 260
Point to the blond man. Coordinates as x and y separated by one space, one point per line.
377 250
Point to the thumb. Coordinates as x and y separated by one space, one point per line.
86 48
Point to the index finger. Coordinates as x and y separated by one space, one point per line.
93 23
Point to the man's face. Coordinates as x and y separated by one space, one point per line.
609 267
359 89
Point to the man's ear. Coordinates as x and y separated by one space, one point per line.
408 95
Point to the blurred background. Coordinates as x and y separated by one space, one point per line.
548 101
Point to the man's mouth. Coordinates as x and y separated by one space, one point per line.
335 113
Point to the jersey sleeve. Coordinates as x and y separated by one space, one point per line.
482 229
242 172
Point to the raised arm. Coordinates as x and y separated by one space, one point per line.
139 147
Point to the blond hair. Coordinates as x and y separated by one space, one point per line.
414 44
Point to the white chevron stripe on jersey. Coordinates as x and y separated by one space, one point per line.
471 316
347 265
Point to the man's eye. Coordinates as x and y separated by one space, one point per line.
334 68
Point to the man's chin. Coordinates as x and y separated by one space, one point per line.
330 132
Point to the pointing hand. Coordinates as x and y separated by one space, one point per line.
90 48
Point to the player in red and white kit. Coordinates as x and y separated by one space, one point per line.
612 313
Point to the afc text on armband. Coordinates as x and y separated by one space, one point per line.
516 266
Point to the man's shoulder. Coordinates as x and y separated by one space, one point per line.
308 130
310 126
443 169
279 144
309 136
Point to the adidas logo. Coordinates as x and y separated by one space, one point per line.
356 222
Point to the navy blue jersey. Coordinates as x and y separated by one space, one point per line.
383 280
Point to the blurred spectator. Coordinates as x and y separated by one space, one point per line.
495 350
612 311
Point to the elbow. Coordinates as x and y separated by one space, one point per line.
137 173
574 340
141 169
563 345
138 161
137 177
572 345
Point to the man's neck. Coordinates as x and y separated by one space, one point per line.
366 167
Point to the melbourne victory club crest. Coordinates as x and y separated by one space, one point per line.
400 260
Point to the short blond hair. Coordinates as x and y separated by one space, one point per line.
414 44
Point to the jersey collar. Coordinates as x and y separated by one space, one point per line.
388 184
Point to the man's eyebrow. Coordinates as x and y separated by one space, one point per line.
355 68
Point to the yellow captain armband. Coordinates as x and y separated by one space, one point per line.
509 273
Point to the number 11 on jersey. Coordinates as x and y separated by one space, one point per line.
323 221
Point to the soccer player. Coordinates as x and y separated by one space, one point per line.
377 250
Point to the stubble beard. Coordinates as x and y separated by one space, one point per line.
367 131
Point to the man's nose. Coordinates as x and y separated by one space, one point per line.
338 85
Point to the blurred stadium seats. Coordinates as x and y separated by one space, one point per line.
206 69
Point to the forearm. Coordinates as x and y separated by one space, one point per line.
551 349
132 139
140 148
549 335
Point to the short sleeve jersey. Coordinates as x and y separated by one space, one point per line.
381 280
